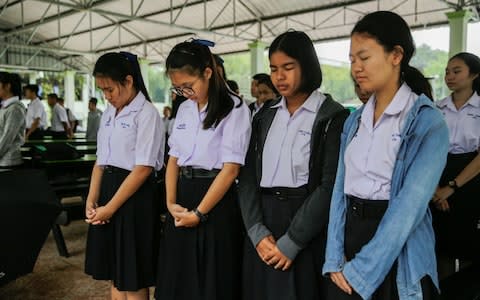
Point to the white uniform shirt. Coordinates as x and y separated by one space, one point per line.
286 152
36 110
463 124
210 148
371 155
59 115
133 137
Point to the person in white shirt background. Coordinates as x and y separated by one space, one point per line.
93 120
60 126
36 119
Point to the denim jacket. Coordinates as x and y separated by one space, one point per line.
405 232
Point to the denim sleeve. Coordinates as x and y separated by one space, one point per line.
424 163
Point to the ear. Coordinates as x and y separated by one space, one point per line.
128 81
397 55
207 73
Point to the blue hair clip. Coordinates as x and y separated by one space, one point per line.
202 42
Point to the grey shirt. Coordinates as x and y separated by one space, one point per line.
93 122
12 133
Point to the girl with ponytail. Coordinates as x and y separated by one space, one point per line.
200 253
121 205
380 242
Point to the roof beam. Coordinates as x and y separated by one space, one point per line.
44 48
126 21
34 24
132 18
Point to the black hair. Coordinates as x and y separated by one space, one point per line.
268 82
14 80
260 76
233 85
193 58
61 100
32 88
175 105
53 95
473 63
219 62
390 30
93 100
117 66
299 46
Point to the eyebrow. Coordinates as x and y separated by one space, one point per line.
358 52
284 65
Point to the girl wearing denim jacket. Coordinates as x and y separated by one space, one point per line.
380 242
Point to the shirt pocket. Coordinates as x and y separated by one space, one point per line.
301 152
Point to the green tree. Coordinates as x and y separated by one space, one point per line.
432 64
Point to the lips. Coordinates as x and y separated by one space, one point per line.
282 87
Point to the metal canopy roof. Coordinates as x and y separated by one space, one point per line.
70 34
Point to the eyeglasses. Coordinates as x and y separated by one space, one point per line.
184 91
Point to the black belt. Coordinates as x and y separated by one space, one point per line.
113 169
286 192
190 172
367 208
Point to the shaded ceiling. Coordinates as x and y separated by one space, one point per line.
70 34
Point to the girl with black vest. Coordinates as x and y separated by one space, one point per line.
286 183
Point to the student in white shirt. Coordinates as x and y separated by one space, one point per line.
60 126
457 209
122 208
12 121
36 119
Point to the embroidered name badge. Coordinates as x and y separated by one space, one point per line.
304 133
395 137
125 125
182 126
475 116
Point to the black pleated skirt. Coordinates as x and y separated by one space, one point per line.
125 250
457 231
303 280
204 262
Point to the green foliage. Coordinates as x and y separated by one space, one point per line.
158 84
338 83
432 64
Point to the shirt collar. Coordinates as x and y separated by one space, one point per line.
135 105
7 102
474 100
399 101
312 103
448 102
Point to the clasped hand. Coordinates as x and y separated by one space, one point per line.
97 215
183 217
270 254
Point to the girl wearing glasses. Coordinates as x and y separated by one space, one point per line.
121 205
200 254
286 184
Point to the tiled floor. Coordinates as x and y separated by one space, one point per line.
58 278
